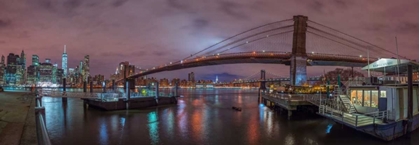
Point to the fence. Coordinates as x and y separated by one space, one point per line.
354 119
42 134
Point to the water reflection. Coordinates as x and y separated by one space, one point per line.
290 140
153 127
103 132
196 119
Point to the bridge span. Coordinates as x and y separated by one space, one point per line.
296 42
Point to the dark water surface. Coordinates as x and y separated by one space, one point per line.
200 117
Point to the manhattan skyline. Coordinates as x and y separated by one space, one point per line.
115 31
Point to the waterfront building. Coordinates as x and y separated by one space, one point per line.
174 81
64 62
164 82
59 76
11 70
32 76
98 79
45 73
191 79
124 67
183 83
71 76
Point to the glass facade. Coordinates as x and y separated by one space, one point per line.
366 98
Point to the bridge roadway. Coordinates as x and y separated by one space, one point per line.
266 57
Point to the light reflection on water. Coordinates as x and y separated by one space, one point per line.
153 127
196 119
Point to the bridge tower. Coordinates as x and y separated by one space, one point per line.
262 80
299 57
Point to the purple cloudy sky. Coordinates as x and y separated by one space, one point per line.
152 32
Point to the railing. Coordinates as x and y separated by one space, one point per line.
42 134
104 96
354 119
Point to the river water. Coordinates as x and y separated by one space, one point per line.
201 117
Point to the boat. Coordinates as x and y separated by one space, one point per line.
379 106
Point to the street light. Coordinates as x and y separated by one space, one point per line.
360 55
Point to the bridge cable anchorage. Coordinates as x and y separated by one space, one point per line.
277 22
243 39
255 40
355 38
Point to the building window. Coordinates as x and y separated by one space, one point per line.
383 94
374 99
366 101
357 97
366 98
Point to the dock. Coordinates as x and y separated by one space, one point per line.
133 103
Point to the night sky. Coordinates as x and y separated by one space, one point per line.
148 33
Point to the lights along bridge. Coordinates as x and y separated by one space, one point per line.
296 42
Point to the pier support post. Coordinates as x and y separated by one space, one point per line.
84 86
64 98
85 104
157 92
113 85
91 87
127 90
176 88
104 86
289 114
410 97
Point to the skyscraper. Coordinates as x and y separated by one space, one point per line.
2 60
35 60
191 77
22 59
86 68
64 62
2 71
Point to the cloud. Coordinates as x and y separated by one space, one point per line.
152 33
4 23
118 3
232 9
408 27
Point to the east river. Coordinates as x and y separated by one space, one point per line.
201 117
